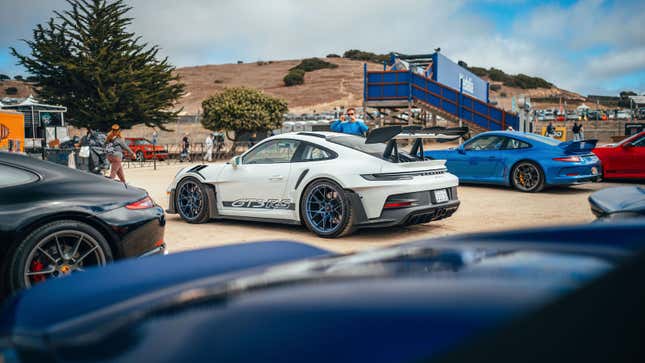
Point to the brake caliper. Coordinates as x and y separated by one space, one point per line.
37 266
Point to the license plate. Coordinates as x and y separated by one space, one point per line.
594 170
441 195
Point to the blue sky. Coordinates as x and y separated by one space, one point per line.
590 46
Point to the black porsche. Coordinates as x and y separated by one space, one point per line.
55 221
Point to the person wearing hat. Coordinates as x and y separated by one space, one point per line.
114 146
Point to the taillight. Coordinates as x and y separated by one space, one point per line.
393 205
573 159
144 203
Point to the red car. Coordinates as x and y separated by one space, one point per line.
144 149
625 159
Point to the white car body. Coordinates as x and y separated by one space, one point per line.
273 191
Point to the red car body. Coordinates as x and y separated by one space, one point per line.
625 159
144 149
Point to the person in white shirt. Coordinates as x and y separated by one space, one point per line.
209 147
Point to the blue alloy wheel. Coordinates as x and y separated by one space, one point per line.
325 208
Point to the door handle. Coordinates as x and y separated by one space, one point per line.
276 177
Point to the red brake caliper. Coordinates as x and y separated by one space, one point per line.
37 266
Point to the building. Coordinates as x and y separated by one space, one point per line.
41 121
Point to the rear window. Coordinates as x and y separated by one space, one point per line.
10 176
544 139
358 143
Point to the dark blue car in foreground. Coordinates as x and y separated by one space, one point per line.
526 161
558 294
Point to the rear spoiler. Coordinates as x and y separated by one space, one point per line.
384 134
418 133
571 147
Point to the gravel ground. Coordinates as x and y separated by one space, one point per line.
483 208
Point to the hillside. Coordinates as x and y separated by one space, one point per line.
323 89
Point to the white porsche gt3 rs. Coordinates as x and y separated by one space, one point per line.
331 182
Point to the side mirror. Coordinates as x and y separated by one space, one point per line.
628 145
461 149
236 161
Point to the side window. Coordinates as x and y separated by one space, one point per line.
516 144
639 143
10 176
272 152
313 153
487 142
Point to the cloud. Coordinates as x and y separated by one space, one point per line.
565 44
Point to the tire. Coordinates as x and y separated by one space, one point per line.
528 177
191 201
81 246
139 156
334 217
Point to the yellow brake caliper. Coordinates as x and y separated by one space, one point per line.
522 179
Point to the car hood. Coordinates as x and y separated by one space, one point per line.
629 199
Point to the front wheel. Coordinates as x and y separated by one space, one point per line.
326 210
527 177
55 250
191 201
140 156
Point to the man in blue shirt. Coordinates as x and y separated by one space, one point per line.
352 125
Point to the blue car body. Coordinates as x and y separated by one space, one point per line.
494 166
285 302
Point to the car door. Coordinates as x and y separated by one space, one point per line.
511 151
482 160
634 163
256 187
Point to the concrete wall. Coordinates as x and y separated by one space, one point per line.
601 130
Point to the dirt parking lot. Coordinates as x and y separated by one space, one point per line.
482 208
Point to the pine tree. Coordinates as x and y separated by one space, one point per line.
85 59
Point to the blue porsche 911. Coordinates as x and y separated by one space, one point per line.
526 161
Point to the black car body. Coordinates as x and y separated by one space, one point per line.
538 295
39 199
618 203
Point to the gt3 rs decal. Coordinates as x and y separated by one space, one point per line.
261 203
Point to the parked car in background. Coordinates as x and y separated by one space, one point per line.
623 115
625 159
55 221
549 115
144 149
498 297
572 115
526 161
618 203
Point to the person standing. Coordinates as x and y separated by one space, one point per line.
550 130
185 148
351 125
576 131
114 148
209 147
581 132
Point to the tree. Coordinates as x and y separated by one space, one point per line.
11 91
242 110
18 78
4 77
85 59
32 79
294 77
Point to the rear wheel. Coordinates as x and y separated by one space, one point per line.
326 210
191 201
527 176
55 250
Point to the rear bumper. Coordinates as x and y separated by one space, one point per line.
137 232
574 174
426 211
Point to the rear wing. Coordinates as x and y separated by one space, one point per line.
392 133
575 147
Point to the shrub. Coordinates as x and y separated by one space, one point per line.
240 62
333 55
242 109
478 71
356 54
11 90
32 79
18 78
313 64
218 81
4 77
495 87
294 77
503 94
